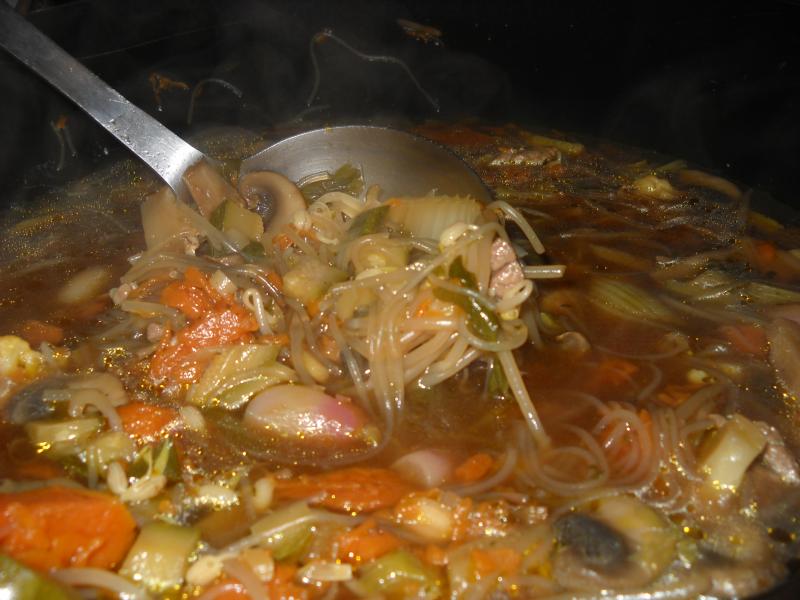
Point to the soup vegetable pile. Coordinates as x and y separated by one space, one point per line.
310 390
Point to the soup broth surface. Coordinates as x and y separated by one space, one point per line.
401 397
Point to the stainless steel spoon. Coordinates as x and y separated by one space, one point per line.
401 163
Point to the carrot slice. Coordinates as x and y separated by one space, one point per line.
56 527
612 372
177 363
500 561
353 489
146 422
474 468
366 542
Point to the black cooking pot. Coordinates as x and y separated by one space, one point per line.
716 84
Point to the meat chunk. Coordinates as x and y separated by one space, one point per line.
502 254
505 279
506 270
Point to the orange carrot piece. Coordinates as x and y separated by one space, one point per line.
353 489
194 296
282 241
474 468
675 394
612 372
282 586
57 527
35 332
366 542
495 561
146 422
746 338
275 280
176 363
216 321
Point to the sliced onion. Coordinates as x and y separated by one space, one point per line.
427 468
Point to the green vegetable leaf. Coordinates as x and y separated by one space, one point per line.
368 221
459 271
481 320
166 461
497 384
253 251
347 179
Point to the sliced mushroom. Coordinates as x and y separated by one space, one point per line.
597 544
29 404
274 196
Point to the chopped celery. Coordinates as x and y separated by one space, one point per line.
288 530
310 279
481 320
159 556
369 221
247 364
217 216
238 218
400 575
728 453
21 583
627 300
62 437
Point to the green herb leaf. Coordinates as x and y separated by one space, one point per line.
347 179
459 271
481 320
368 221
166 461
253 251
497 383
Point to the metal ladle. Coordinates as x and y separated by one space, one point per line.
401 163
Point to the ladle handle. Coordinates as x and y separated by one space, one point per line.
166 153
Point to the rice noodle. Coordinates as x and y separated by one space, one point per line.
101 579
